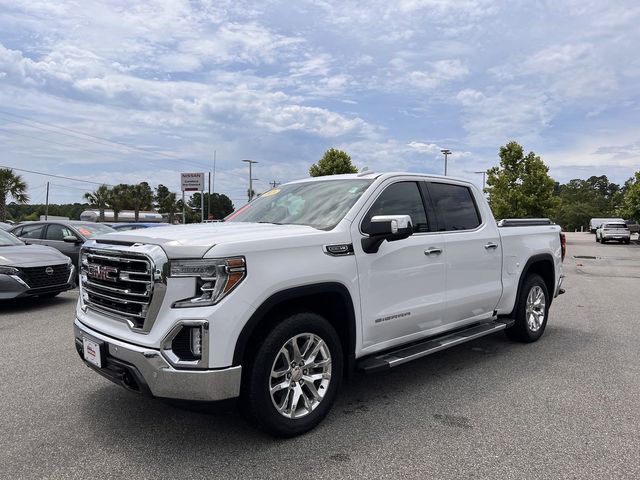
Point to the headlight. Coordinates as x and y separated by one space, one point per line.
215 278
8 271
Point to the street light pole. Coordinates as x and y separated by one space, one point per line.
250 162
484 177
446 152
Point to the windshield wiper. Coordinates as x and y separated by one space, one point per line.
273 223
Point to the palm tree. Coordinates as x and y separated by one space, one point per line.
11 185
99 199
141 198
119 199
166 202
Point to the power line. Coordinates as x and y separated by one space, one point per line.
67 186
54 176
100 140
93 138
9 132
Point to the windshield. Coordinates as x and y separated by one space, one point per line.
8 239
90 230
615 225
319 204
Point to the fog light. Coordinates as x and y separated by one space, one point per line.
196 342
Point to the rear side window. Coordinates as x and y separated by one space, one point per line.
402 198
454 207
58 232
32 231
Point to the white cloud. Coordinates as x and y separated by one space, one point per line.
512 113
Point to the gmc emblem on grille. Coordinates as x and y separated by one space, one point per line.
102 272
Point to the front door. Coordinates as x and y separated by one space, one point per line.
402 285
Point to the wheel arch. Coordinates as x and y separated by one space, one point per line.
332 300
543 265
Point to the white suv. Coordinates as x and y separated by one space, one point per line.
617 231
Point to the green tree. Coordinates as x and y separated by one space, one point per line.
11 185
221 205
119 199
521 185
630 207
98 199
580 200
141 198
166 202
333 162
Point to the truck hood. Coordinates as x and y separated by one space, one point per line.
194 240
30 256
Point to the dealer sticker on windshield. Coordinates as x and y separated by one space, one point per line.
91 351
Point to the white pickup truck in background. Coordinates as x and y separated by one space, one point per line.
312 280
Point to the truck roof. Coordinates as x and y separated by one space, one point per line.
375 175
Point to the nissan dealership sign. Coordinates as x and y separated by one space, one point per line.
192 182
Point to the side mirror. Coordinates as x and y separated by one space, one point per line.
386 227
71 239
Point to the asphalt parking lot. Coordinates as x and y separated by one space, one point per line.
567 406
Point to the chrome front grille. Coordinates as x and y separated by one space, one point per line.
127 282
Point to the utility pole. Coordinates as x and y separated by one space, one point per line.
250 162
184 219
484 178
446 153
213 185
46 208
214 177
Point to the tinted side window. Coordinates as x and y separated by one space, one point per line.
58 232
32 231
454 207
402 198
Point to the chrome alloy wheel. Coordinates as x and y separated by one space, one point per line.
535 308
300 375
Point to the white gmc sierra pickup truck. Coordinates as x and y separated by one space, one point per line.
309 282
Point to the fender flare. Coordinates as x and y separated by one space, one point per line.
538 258
291 294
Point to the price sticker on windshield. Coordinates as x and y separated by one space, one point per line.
270 193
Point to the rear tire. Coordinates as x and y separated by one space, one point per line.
294 377
532 311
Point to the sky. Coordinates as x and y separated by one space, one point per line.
123 92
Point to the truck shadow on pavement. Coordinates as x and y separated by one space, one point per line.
423 389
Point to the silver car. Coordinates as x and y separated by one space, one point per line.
32 270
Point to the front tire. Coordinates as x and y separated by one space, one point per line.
532 311
294 378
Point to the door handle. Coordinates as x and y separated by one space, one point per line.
491 245
433 251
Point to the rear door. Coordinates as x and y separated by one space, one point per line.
32 233
54 237
474 253
401 286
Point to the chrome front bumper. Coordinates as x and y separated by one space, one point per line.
145 369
